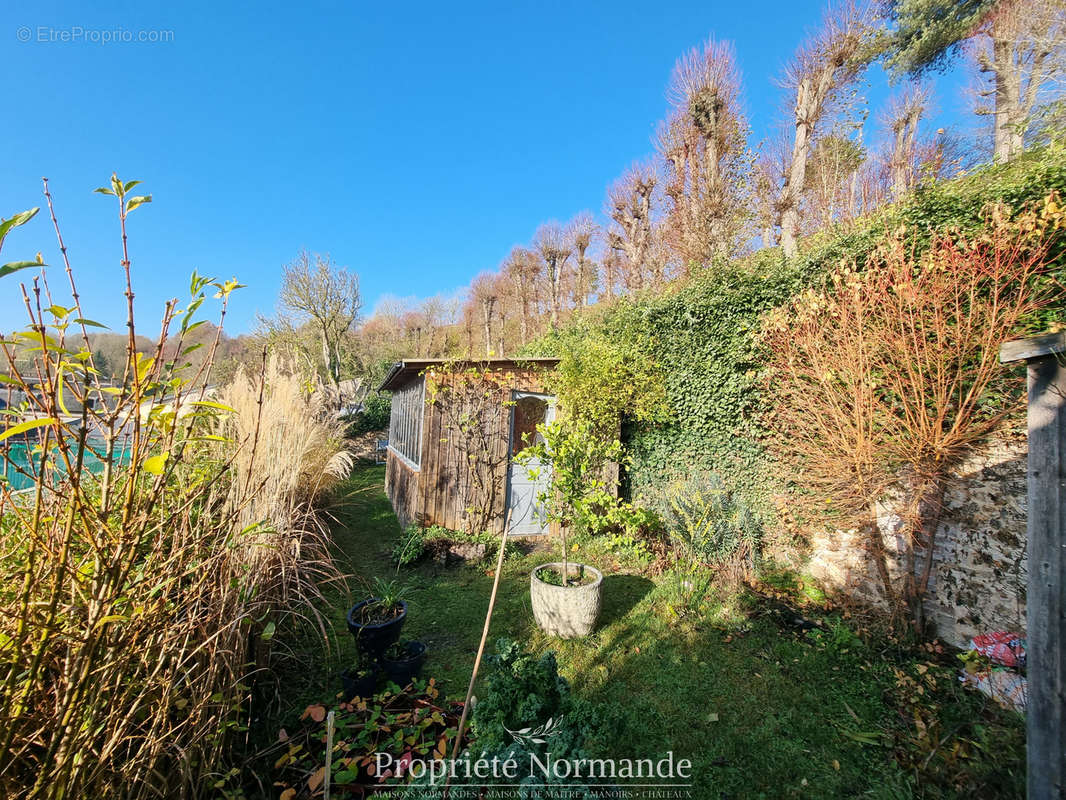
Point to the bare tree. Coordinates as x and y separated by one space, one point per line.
1021 50
1018 46
583 229
832 179
317 292
553 244
629 205
703 144
484 294
522 267
828 61
903 115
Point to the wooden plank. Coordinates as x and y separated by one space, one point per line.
431 473
1046 595
1033 347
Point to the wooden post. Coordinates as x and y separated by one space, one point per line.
1046 590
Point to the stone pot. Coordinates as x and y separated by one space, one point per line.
566 611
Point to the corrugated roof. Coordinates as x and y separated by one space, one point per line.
403 371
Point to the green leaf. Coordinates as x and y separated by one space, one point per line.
156 464
91 323
28 425
213 404
15 266
7 225
104 190
268 632
133 202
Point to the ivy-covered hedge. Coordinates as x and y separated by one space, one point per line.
704 335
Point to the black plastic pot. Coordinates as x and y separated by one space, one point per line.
402 671
356 685
373 639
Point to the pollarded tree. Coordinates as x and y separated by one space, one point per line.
703 142
522 269
1018 46
318 293
825 64
583 230
485 299
832 178
553 242
904 113
629 206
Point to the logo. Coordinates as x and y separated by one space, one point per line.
527 737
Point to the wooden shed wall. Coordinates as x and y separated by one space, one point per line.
401 486
443 489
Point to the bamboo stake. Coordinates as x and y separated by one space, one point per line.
330 722
481 647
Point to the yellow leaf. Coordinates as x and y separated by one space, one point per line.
156 464
28 425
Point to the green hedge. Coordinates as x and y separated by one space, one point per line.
702 335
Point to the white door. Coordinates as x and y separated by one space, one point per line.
527 513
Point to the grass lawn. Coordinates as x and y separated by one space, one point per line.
763 708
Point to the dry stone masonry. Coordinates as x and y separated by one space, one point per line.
979 572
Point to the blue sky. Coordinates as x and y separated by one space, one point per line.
416 143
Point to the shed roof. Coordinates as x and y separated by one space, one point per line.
403 371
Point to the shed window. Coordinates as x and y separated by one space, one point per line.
405 424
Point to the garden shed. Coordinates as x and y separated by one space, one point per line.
455 429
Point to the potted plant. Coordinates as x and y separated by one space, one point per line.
377 621
566 596
359 682
403 661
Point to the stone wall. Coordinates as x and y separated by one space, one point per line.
979 570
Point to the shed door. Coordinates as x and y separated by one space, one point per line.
527 514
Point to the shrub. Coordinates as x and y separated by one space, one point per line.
410 547
702 337
374 415
138 599
886 380
417 542
708 524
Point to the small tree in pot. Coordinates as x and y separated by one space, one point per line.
567 604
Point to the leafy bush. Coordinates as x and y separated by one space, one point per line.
374 416
702 338
418 542
626 528
708 524
149 592
410 547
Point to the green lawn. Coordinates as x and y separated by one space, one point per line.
762 708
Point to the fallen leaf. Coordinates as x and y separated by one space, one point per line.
317 713
288 794
316 780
